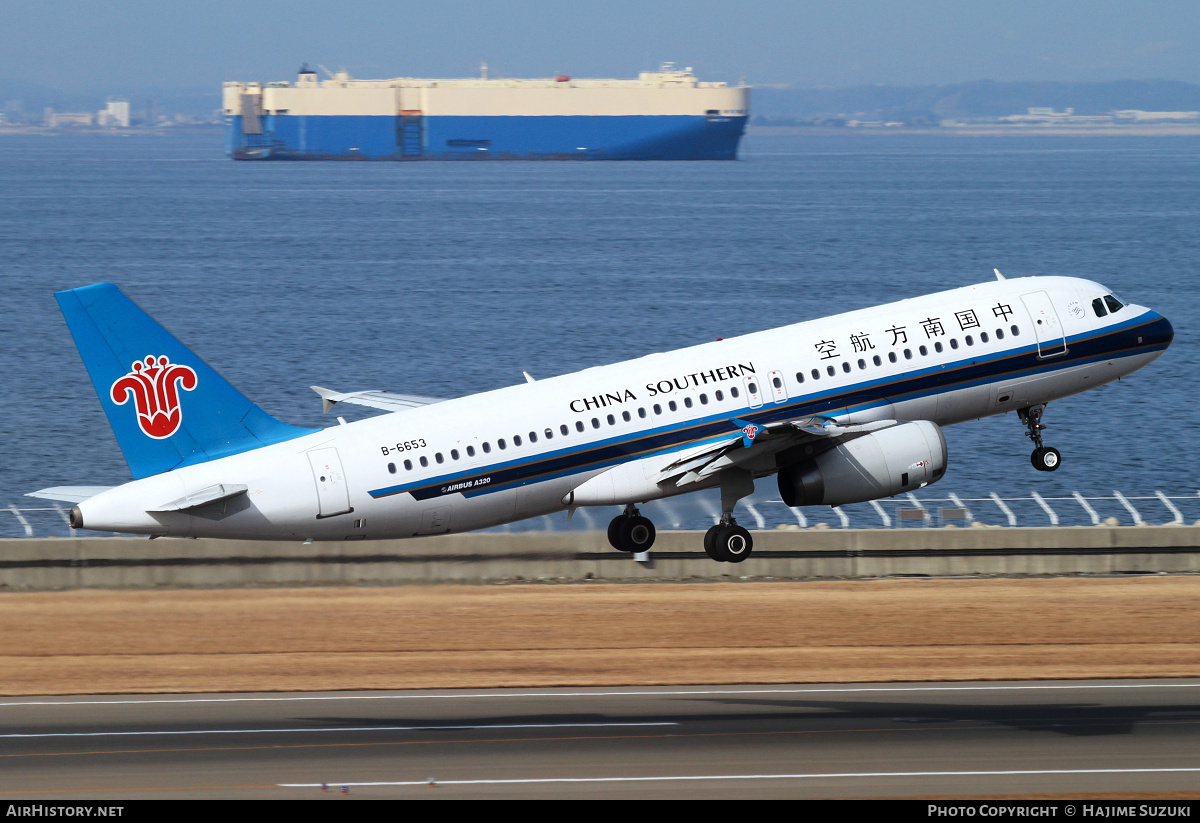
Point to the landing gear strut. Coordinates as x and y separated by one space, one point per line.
727 542
630 532
1044 458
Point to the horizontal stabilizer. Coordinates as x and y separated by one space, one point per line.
385 400
210 494
69 494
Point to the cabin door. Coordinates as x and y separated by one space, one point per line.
1051 340
333 496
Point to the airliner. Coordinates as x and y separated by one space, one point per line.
840 410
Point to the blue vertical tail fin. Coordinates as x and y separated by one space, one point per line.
166 406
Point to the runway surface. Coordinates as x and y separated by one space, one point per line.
893 740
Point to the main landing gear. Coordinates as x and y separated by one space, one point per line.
630 532
727 542
1044 458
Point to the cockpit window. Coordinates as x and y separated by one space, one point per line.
1114 305
1098 307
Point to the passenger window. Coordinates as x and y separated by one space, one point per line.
970 340
612 421
578 425
391 468
816 374
908 354
752 387
776 382
924 351
999 334
470 451
657 409
487 447
799 377
625 416
595 422
438 457
641 412
703 399
983 338
550 433
501 443
845 367
891 357
829 370
687 401
733 392
1114 305
954 342
1015 331
937 347
533 437
1098 307
875 359
408 465
424 461
454 454
862 364
671 405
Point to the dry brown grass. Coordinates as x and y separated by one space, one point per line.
597 634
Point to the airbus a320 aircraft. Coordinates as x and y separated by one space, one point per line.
844 409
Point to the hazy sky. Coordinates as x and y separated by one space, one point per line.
127 45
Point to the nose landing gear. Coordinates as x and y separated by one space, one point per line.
630 532
1044 458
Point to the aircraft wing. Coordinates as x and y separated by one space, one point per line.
69 494
752 441
388 401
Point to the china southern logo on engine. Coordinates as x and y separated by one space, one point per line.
718 375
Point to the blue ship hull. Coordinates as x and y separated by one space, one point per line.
638 137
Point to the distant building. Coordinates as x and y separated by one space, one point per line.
61 119
1138 116
115 114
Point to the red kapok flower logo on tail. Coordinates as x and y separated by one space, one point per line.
153 385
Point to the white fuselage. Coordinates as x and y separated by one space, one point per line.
512 453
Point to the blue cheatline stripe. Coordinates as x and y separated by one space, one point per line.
1013 364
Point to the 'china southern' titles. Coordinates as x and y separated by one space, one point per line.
718 375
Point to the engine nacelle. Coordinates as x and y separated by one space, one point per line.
887 462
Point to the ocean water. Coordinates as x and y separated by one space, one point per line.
447 278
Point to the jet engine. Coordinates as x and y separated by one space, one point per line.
887 462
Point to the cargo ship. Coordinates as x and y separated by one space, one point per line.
662 115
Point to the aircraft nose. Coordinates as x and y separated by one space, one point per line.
1160 332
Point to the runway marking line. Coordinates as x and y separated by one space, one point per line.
683 693
344 729
528 740
667 778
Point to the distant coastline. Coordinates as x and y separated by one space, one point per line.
983 130
46 131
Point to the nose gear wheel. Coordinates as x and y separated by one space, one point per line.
1044 458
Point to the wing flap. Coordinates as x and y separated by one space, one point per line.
753 441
